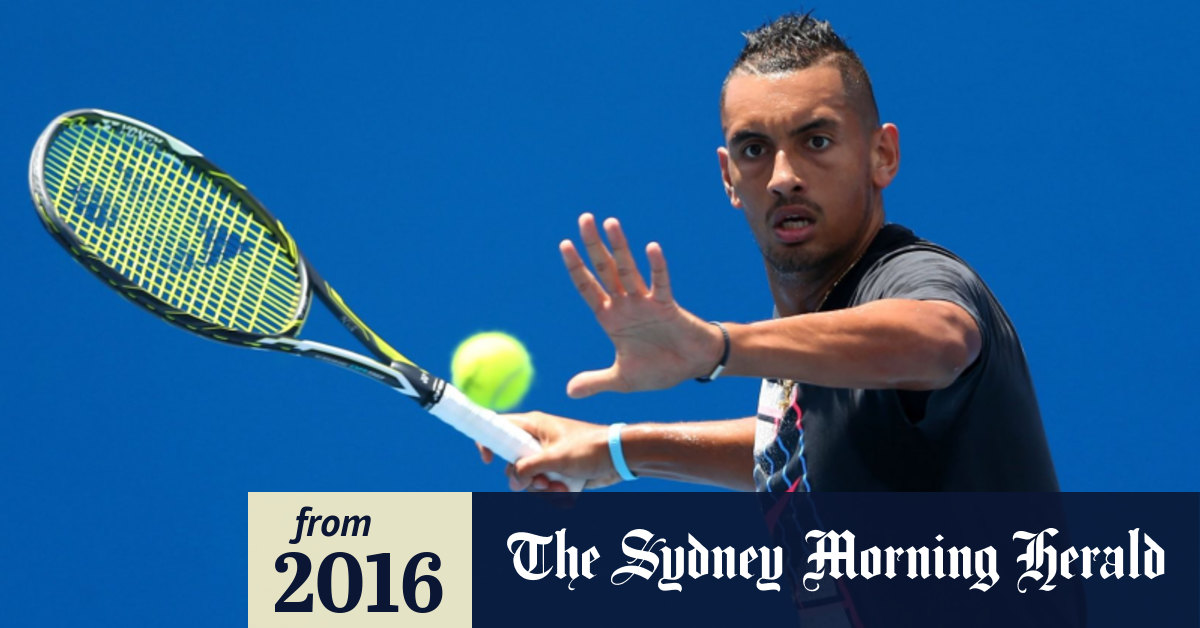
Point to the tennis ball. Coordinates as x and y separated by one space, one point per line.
493 369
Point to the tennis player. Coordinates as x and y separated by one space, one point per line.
889 364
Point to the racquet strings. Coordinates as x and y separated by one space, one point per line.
172 229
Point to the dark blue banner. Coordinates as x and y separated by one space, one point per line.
860 560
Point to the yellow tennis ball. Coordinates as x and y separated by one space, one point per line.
493 369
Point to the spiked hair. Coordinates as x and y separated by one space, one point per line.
798 41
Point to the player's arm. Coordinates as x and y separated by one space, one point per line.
716 453
892 343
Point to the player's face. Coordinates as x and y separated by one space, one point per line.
799 162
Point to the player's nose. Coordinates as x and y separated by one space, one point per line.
785 179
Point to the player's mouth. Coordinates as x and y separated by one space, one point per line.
794 225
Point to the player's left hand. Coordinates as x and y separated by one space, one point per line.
658 343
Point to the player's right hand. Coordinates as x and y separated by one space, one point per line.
570 448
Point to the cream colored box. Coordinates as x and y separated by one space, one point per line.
401 524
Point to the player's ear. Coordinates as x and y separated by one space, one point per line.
885 155
723 159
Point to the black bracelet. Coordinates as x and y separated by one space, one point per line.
716 372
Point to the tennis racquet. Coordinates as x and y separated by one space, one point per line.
163 226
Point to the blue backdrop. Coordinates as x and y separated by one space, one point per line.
429 159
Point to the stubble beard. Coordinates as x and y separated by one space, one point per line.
794 266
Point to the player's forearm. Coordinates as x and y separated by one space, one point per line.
717 453
905 344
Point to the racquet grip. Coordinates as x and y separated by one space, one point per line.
490 430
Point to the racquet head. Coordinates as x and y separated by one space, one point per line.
155 220
166 228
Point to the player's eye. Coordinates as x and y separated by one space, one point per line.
754 151
819 142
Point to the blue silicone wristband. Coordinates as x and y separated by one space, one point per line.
618 455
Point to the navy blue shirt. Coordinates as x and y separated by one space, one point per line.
982 433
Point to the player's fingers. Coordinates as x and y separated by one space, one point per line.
538 484
530 423
626 268
518 478
660 280
525 474
588 383
485 454
602 260
515 482
532 471
585 282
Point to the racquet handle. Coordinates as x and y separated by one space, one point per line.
490 430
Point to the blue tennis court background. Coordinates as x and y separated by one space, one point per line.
429 159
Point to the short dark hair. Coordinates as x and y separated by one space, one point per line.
798 41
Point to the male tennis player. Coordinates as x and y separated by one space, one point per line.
889 364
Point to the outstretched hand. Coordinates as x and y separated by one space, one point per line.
658 344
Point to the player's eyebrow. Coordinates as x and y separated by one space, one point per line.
818 123
742 136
